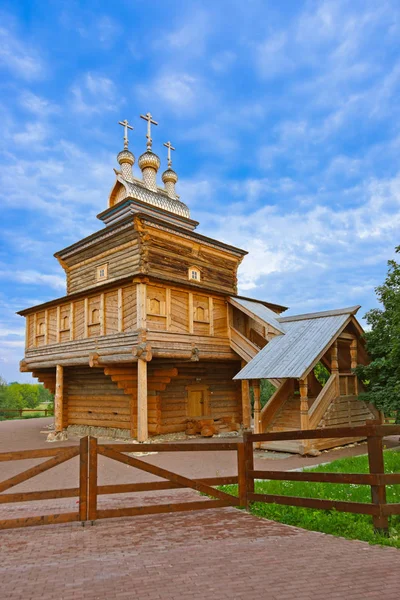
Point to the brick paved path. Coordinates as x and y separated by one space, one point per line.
222 554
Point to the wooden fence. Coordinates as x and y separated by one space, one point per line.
48 412
88 489
378 508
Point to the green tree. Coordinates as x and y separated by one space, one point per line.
381 377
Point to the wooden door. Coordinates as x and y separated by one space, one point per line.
197 401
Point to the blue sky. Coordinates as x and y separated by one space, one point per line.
285 117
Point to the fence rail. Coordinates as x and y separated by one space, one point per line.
88 489
48 412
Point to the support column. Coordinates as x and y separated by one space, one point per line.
58 399
304 418
142 427
354 363
257 406
335 366
246 405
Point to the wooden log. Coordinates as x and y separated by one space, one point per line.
58 399
142 400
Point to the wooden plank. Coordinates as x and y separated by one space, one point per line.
43 495
174 477
340 432
378 492
126 488
352 478
190 315
62 456
142 417
317 503
242 483
92 482
42 520
83 477
31 454
172 447
160 508
58 399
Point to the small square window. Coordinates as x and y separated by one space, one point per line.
102 272
194 274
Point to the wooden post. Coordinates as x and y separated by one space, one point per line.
354 362
168 308
249 466
86 317
71 321
190 324
58 399
142 427
141 305
257 405
120 311
304 418
92 487
335 366
378 492
211 315
242 479
246 404
102 315
34 330
83 478
46 327
58 324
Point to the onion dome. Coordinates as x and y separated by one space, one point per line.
126 160
149 164
149 160
170 178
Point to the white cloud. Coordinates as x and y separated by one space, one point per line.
180 92
223 61
95 94
32 277
37 105
33 134
18 57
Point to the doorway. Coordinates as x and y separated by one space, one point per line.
198 404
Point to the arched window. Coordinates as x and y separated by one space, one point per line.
40 328
200 314
65 322
155 306
95 316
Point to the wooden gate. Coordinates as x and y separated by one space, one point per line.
118 452
58 456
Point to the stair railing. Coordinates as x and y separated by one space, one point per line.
275 403
328 393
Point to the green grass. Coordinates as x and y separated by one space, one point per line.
330 521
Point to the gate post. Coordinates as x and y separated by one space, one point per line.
242 483
248 466
83 478
92 512
378 492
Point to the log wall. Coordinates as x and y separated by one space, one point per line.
224 394
120 254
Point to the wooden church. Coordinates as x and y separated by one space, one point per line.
152 333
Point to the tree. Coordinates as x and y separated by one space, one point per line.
381 377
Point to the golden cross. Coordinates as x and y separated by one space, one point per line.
149 118
126 126
170 147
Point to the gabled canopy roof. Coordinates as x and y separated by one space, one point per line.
305 339
258 311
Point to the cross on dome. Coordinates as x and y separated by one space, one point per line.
170 147
126 126
149 118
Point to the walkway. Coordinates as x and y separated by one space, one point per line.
223 554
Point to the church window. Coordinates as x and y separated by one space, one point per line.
102 272
65 323
194 274
40 329
201 314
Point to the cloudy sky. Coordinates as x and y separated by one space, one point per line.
285 116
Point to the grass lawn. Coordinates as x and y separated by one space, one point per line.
330 521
